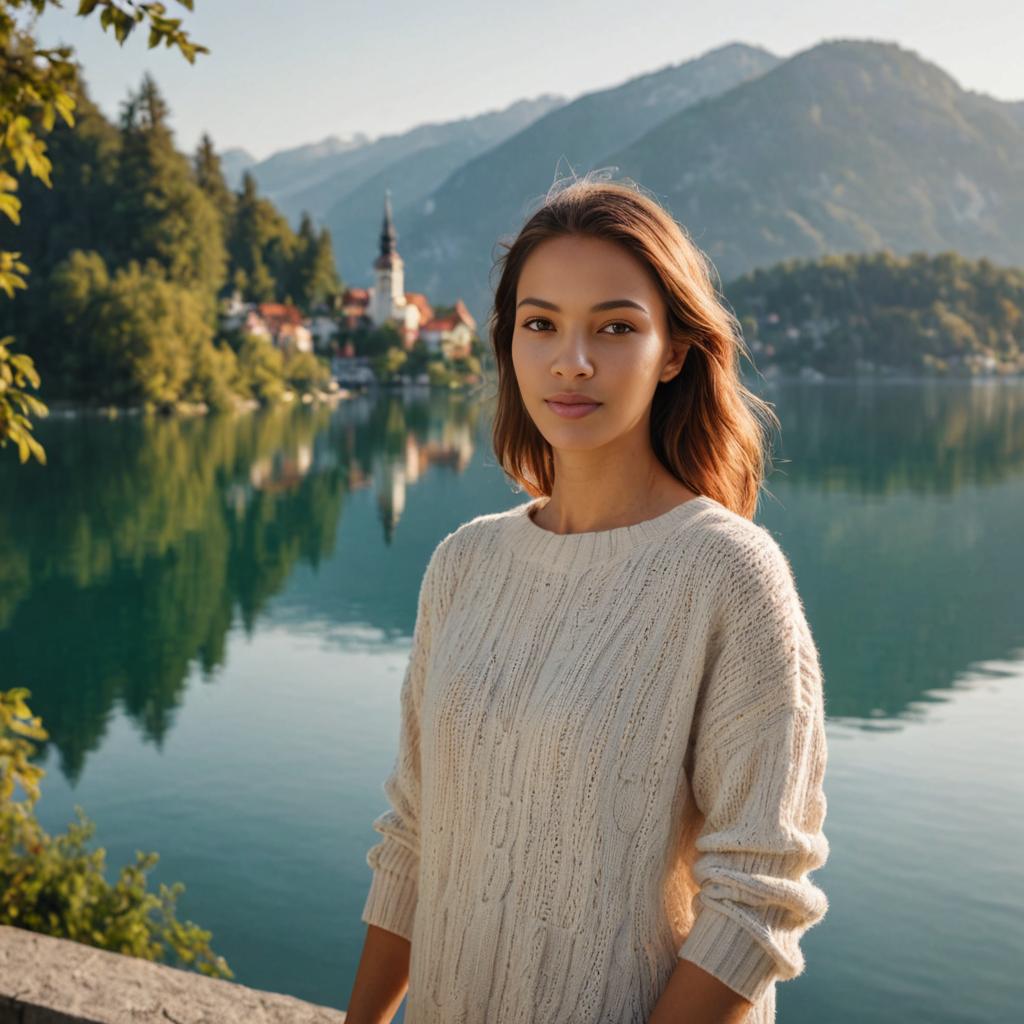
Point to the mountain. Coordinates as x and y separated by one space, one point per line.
305 180
234 163
412 167
291 170
449 237
848 146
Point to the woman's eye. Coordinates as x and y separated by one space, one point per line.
534 320
619 323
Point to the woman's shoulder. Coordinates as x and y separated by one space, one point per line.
459 547
459 542
740 557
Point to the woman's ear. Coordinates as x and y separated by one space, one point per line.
674 365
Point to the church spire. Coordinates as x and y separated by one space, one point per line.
388 235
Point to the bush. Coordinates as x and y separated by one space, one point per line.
261 369
54 885
305 372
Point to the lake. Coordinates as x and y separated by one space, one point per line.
214 618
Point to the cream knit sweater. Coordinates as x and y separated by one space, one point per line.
611 754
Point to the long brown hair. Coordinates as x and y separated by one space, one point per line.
707 429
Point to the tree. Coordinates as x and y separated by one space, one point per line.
388 365
209 177
305 372
134 335
261 244
161 212
314 274
36 87
261 369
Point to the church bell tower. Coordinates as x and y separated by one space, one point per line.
389 272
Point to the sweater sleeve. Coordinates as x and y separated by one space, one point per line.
391 901
757 769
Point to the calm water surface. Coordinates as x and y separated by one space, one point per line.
214 618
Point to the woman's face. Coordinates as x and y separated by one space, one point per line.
614 355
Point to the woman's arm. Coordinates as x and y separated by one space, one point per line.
381 978
756 764
693 996
390 906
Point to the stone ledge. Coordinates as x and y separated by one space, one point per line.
46 980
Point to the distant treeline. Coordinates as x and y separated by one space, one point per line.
878 312
128 254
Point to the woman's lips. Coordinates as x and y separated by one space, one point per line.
573 410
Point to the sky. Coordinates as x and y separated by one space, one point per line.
283 74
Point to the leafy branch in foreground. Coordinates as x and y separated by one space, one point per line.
17 370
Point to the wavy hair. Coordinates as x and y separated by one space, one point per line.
707 428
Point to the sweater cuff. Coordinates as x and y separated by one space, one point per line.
719 946
391 902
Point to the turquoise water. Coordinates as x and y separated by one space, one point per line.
214 618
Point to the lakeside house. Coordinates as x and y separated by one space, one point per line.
280 323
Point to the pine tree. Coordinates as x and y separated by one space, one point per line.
210 178
313 275
161 213
261 244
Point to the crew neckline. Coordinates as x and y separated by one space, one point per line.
573 550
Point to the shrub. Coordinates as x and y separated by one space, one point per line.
54 885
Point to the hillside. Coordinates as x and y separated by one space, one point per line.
448 240
313 178
877 313
355 216
848 146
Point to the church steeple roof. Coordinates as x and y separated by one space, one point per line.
388 235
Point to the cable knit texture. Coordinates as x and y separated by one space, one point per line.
611 755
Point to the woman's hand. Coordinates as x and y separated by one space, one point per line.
692 996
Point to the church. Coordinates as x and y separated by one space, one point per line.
410 312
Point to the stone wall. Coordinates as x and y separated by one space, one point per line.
45 980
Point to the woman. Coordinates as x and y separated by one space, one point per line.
608 793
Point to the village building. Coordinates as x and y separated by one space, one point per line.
451 335
388 301
283 322
278 322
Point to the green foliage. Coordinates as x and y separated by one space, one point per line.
853 312
389 364
131 213
261 244
160 212
56 886
209 175
36 88
419 357
17 371
305 372
440 375
261 369
376 340
133 336
215 377
313 277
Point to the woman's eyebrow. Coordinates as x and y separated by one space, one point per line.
609 304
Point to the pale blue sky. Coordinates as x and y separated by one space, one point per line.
281 74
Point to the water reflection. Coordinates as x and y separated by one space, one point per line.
126 560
